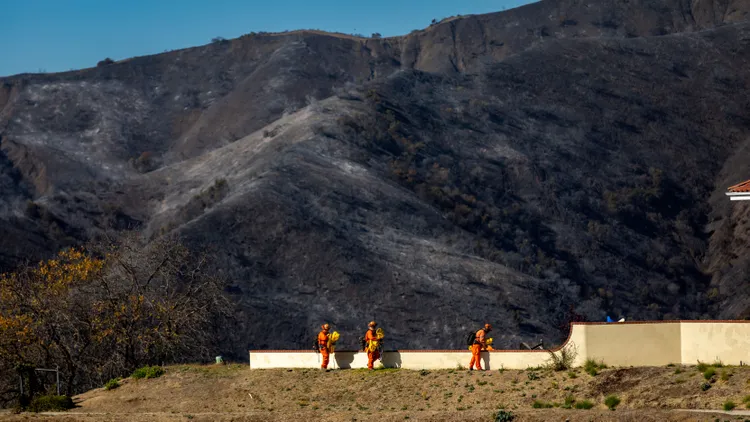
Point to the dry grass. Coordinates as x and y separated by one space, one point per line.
234 392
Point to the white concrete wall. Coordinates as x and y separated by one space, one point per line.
407 359
616 344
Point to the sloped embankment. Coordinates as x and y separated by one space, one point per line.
235 392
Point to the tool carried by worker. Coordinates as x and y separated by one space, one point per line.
334 337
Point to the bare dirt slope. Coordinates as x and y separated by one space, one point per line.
237 393
506 167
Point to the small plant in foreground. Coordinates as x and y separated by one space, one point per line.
729 405
51 403
563 359
148 372
746 401
592 367
709 373
541 405
702 366
112 384
725 376
612 401
504 416
569 401
584 405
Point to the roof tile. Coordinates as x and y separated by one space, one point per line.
740 187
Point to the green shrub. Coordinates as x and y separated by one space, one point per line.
725 376
569 401
718 364
51 403
612 401
729 405
701 367
541 405
148 372
709 373
584 405
563 360
592 367
678 371
504 416
572 375
112 384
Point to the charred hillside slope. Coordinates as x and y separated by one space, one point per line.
507 167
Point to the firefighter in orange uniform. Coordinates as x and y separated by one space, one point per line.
371 344
323 337
476 348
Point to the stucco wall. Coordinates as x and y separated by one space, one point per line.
616 344
728 342
620 344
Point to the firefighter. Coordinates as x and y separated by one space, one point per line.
324 345
373 340
479 344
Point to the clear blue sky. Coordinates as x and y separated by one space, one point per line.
58 35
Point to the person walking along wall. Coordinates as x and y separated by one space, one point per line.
324 345
476 348
373 344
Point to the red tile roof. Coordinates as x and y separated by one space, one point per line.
740 187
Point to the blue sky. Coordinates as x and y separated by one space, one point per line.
59 35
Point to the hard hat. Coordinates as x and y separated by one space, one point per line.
372 324
325 326
487 326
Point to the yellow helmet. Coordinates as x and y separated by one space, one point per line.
372 324
325 327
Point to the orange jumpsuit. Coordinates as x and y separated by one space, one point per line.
323 347
371 356
476 349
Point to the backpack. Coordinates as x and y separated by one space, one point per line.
362 343
316 347
470 338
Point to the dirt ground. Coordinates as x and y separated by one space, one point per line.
237 393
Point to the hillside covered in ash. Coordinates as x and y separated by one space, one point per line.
517 167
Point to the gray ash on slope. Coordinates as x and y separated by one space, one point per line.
502 167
